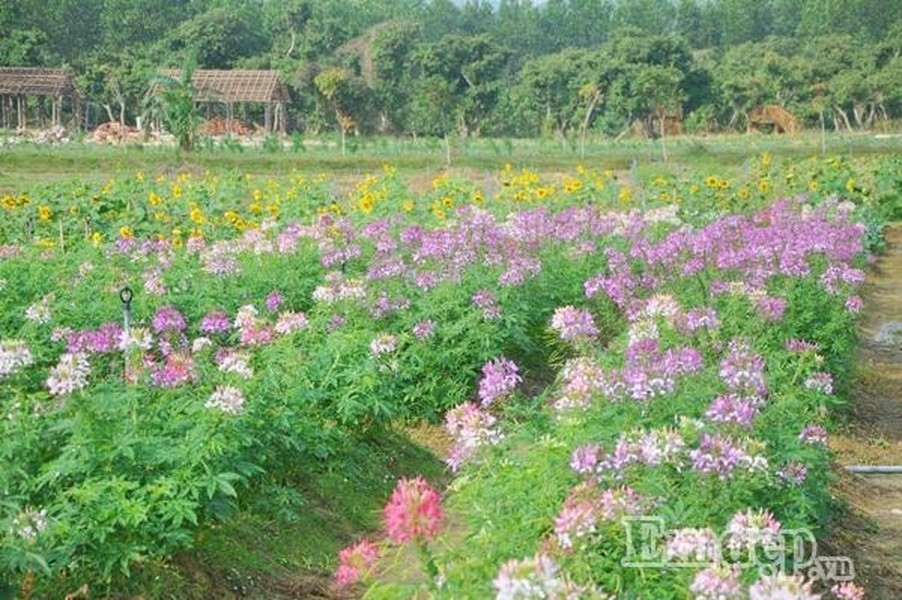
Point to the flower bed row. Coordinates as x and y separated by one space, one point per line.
262 352
685 455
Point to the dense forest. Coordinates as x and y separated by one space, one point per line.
479 68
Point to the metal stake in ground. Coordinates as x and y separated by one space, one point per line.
125 297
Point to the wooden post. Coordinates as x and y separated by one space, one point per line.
280 111
267 117
229 119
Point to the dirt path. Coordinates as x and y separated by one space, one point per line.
871 531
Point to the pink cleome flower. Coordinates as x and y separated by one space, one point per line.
413 512
354 562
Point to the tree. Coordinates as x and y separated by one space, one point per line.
346 94
172 104
474 69
553 88
655 17
390 51
219 37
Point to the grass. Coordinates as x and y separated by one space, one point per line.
24 165
285 545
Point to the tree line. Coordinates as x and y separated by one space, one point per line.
510 68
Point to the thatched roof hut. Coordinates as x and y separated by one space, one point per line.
18 84
237 86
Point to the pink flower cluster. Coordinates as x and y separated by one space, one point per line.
471 428
695 545
383 343
752 528
414 512
14 356
651 448
535 577
69 375
574 324
226 399
176 369
717 582
586 506
582 378
356 562
782 586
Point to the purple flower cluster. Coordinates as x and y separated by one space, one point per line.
836 274
621 286
216 322
273 301
801 346
698 318
770 308
821 382
734 409
574 324
424 329
722 455
743 370
813 434
649 372
793 473
585 458
485 300
499 378
169 320
103 340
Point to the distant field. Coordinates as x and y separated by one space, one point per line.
25 165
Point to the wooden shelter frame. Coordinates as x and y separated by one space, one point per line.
18 84
237 86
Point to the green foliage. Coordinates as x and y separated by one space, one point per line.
172 103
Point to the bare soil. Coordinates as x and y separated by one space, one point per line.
870 529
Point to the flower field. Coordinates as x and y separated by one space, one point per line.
600 349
